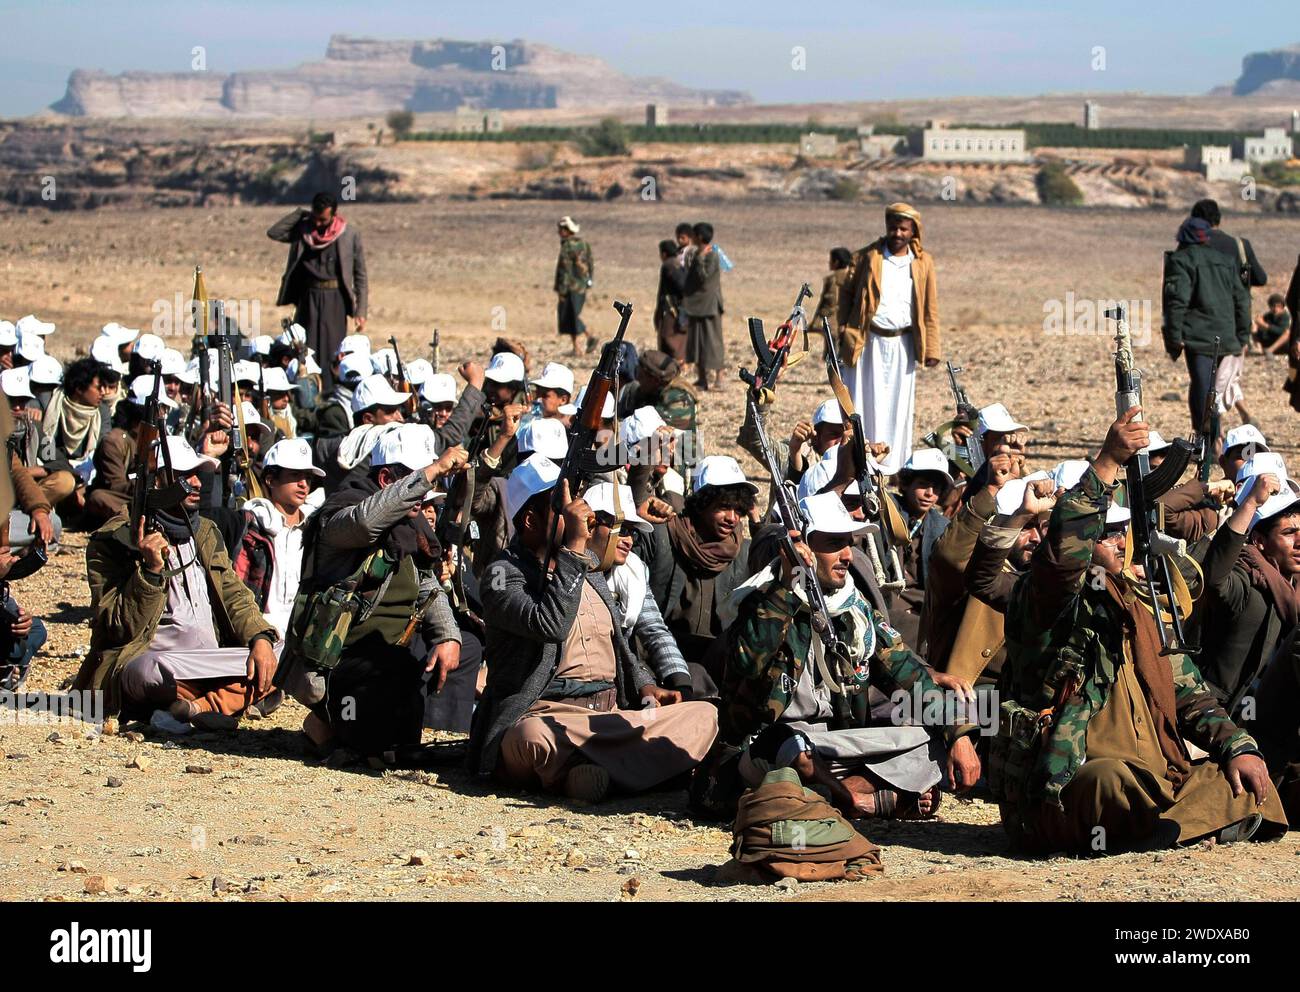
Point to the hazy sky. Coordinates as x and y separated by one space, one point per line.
861 51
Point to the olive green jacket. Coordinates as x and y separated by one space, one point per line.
128 605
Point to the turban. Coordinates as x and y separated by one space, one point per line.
904 210
1194 231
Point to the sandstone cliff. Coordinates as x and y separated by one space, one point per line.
365 77
1275 73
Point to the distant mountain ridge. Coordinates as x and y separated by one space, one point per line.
1275 72
367 76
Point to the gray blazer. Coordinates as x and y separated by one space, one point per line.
525 631
352 262
702 293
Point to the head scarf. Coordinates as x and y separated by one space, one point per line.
1194 231
901 209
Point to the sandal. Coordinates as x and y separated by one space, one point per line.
894 805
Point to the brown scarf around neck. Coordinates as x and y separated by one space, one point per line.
1156 677
1265 577
710 557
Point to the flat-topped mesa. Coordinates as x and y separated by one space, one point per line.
368 76
1276 73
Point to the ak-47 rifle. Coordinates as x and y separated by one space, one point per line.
1209 426
435 349
877 504
833 661
774 356
1161 586
403 383
239 462
263 399
583 460
153 489
201 311
969 456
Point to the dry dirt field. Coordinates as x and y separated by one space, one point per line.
268 823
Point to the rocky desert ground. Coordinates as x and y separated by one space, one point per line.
249 816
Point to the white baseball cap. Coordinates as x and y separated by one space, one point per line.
275 380
150 347
1156 442
8 334
418 371
293 335
536 474
354 343
1279 502
439 388
720 470
643 423
384 360
827 514
47 371
928 460
1067 474
118 334
506 366
174 364
555 376
260 345
246 371
34 325
355 366
601 499
1012 493
142 387
17 383
374 390
606 408
104 350
828 413
995 417
1245 434
253 422
31 345
413 445
818 476
291 453
545 437
1264 463
1116 514
183 457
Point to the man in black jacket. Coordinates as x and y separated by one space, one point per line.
1204 299
1237 249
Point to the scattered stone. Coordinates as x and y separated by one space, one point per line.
575 858
198 769
145 852
252 840
139 763
54 737
114 782
98 885
110 727
76 867
417 858
18 756
631 854
631 887
134 736
788 884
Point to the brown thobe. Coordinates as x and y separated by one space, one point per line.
639 748
1123 787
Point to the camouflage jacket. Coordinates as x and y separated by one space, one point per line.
573 269
768 647
1062 623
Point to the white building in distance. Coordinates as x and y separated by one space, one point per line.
940 143
1091 116
1275 145
1215 162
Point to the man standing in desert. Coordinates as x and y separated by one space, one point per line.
325 277
573 272
889 320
